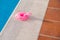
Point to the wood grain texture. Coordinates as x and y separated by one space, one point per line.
51 28
54 3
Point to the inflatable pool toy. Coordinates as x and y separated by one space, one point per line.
23 16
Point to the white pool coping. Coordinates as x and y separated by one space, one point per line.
28 30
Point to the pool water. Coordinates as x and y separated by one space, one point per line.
6 9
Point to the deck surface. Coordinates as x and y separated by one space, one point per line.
51 30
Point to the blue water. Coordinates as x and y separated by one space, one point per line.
6 9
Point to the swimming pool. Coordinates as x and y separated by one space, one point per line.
6 9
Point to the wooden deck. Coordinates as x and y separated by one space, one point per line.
51 30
